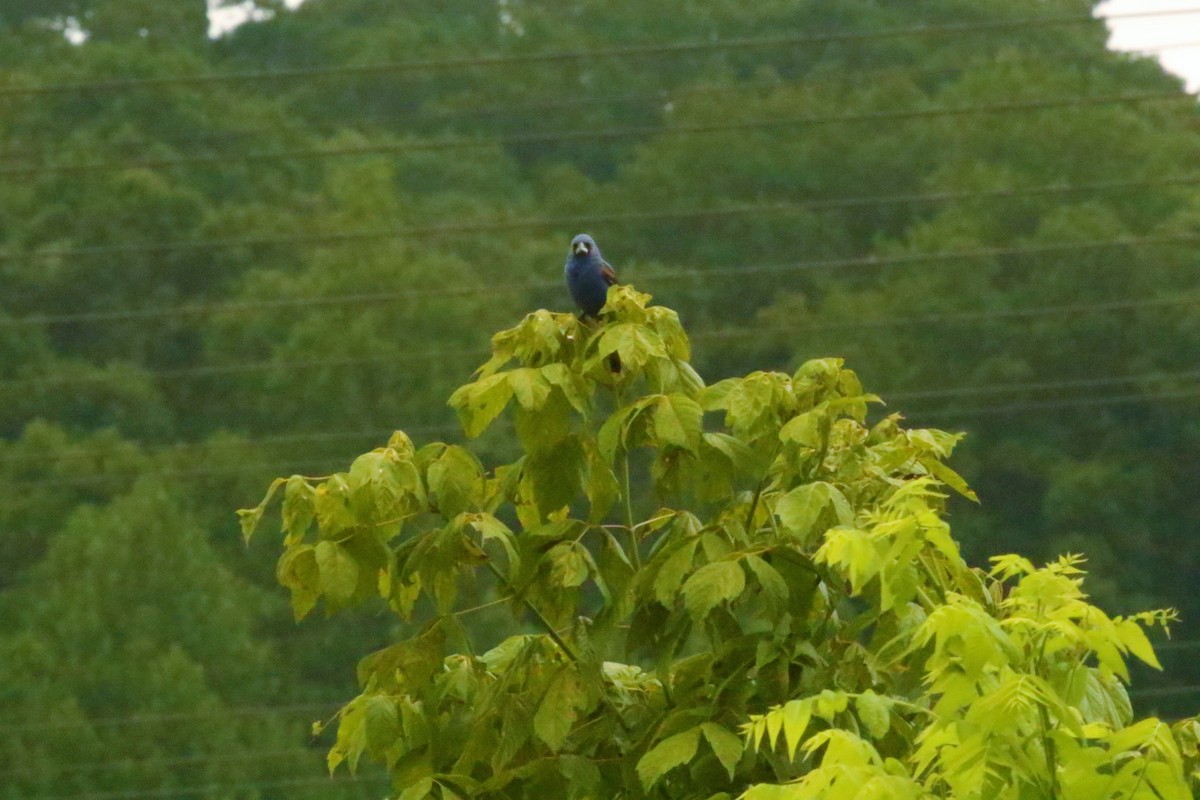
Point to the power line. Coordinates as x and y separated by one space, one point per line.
436 354
380 433
218 787
260 305
340 463
558 103
184 447
217 370
466 227
545 103
293 466
584 135
1165 691
183 716
1057 405
584 56
171 761
9 726
1079 383
1185 644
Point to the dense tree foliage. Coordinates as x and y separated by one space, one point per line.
229 259
799 580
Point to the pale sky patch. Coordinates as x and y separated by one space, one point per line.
1174 39
224 19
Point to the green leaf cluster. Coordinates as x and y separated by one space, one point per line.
788 616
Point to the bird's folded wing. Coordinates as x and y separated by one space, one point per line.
610 277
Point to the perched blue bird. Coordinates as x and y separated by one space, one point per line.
588 275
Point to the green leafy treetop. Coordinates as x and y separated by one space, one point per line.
794 621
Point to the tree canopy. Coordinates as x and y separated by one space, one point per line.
798 603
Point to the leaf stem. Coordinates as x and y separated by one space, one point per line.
1051 752
555 637
1048 746
758 490
633 539
537 612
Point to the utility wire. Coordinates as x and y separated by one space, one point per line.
544 102
182 716
1040 386
1164 691
173 761
153 450
467 227
619 52
207 758
10 726
256 441
558 103
209 788
340 464
444 354
586 135
1053 405
382 433
262 304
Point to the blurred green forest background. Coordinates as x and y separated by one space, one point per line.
225 260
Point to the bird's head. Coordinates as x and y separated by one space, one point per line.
583 246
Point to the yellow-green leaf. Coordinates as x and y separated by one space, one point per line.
677 421
725 744
874 712
338 571
671 752
796 715
1134 638
558 711
712 584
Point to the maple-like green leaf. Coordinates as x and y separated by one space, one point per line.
635 344
602 487
418 790
381 488
773 585
671 574
874 712
529 386
568 563
725 745
338 571
712 584
331 502
803 507
456 481
677 421
248 518
382 724
478 404
558 710
1134 638
298 511
674 751
298 571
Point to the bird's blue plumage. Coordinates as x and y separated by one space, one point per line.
588 275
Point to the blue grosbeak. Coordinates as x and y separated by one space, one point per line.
588 275
588 279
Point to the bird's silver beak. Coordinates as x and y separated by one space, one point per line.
581 249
